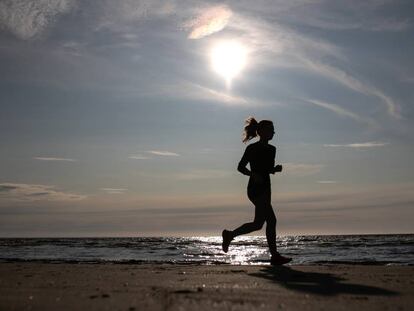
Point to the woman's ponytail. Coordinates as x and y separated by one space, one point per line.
250 129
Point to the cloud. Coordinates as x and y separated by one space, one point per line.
153 152
54 159
301 51
390 25
138 157
343 198
209 21
327 182
35 192
301 169
194 91
28 18
356 15
164 153
114 190
359 145
353 83
189 90
333 209
112 14
202 92
339 110
289 45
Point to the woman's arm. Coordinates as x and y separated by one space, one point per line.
277 168
243 162
244 170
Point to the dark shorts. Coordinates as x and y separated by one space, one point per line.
257 193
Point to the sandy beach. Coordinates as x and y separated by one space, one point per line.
58 286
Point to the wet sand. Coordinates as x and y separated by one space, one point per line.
52 286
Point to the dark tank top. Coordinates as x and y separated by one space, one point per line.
262 161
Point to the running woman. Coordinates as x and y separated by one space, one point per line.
261 156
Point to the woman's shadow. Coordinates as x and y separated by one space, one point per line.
317 282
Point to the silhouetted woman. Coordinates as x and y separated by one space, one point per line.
261 156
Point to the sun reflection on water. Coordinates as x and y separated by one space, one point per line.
250 250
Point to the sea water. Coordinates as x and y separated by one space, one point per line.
397 249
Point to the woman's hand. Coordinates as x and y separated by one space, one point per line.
278 168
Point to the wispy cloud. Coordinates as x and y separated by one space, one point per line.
359 145
209 21
138 157
357 15
54 159
392 25
114 14
297 50
353 83
343 198
289 45
189 90
35 192
202 92
302 169
327 182
339 110
163 153
114 190
27 18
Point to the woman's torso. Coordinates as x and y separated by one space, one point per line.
261 159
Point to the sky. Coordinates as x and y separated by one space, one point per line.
115 122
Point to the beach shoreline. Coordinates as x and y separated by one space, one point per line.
108 286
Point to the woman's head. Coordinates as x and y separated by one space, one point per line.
264 129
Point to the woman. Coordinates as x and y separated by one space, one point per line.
261 156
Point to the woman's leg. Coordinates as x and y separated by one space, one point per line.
276 259
260 202
271 229
255 225
259 218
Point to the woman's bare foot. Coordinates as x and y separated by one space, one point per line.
278 260
227 237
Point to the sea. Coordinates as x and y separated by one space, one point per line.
392 249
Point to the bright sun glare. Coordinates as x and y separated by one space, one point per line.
228 58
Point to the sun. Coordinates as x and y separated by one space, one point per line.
228 58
